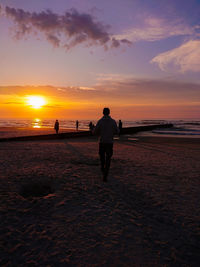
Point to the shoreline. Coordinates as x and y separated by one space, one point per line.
9 132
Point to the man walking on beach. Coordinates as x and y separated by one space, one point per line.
106 127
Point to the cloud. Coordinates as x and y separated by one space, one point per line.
53 39
154 29
12 103
182 59
68 30
127 98
148 91
115 90
87 88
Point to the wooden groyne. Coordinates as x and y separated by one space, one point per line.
132 130
127 130
48 136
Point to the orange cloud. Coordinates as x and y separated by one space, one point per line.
128 98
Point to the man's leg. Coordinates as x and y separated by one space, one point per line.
109 153
102 156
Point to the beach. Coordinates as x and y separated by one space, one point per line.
56 209
6 132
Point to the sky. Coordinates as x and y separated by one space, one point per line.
139 57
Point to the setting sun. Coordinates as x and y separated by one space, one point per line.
36 101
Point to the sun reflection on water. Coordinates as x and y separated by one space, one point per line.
36 123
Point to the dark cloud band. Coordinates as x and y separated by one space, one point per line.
66 30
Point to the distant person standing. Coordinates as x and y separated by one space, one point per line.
77 124
56 126
120 126
91 126
106 127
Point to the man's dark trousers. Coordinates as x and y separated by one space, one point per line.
105 153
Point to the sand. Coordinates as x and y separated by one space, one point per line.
147 214
20 131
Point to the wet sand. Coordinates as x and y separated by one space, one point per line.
20 131
146 215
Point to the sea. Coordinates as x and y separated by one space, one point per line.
181 127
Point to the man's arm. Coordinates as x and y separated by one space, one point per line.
116 129
96 128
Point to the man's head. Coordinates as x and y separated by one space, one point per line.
106 111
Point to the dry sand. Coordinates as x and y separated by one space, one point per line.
146 215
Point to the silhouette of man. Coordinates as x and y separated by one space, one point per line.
56 126
106 127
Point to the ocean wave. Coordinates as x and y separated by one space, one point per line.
191 123
151 122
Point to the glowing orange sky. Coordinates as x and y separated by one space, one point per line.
148 100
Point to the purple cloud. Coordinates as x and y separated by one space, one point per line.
66 30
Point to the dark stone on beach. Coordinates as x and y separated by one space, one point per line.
36 189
